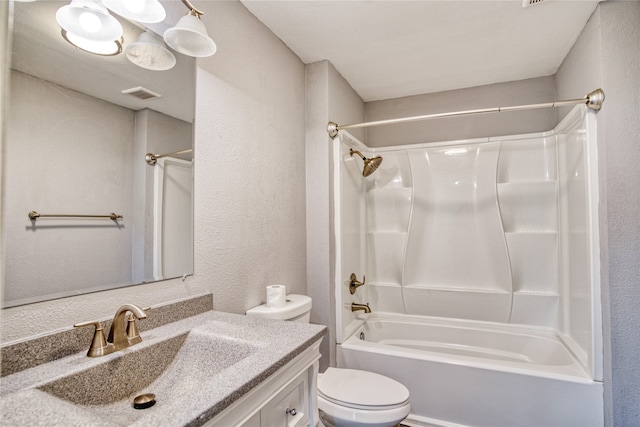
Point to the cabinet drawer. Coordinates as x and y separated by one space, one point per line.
295 399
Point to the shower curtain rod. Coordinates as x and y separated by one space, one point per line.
151 158
593 100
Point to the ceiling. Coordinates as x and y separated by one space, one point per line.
389 49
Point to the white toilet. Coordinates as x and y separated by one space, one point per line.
347 397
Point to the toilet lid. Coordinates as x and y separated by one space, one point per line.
361 389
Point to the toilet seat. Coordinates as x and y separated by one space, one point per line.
365 390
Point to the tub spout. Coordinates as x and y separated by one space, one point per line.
363 307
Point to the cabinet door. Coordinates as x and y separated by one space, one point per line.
253 421
290 407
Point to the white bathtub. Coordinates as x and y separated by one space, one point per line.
465 373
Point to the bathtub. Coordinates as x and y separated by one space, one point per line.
467 373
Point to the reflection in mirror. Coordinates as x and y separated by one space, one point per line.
76 144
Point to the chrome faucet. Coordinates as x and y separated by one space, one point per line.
363 307
121 335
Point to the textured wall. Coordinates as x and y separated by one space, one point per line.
620 26
250 163
329 97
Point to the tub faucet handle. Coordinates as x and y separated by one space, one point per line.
354 283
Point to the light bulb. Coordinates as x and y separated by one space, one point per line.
89 22
105 48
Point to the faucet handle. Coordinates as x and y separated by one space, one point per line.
354 283
98 343
132 328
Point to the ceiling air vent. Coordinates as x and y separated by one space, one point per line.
527 3
141 93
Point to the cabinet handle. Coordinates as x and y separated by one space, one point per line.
291 412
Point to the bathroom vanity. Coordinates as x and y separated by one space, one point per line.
212 368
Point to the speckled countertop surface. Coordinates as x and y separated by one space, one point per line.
206 362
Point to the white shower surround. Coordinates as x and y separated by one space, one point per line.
544 196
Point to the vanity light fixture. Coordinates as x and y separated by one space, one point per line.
190 36
150 52
147 11
110 48
89 20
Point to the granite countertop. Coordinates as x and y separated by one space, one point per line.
222 357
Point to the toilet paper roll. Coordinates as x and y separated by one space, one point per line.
276 296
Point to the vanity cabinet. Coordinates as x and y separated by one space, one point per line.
288 397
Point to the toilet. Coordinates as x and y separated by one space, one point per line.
347 397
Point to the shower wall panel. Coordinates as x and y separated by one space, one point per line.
528 197
389 200
469 230
577 181
350 230
494 229
456 263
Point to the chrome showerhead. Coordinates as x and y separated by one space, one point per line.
370 165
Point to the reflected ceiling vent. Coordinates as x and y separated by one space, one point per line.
527 3
141 93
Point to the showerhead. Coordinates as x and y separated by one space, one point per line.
370 165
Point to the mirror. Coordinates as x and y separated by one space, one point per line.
76 145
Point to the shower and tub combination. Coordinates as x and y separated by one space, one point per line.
482 274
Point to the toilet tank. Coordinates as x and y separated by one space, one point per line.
297 308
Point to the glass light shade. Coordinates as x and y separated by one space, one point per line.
190 37
89 20
109 48
147 11
150 52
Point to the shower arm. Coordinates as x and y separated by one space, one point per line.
593 101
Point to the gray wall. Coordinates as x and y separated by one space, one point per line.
159 134
607 55
329 97
66 153
529 91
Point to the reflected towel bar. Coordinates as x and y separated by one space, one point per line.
593 101
33 215
151 158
